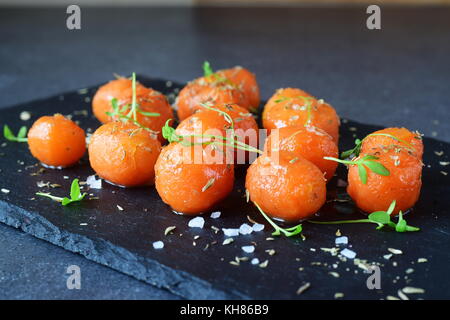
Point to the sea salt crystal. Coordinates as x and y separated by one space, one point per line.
248 249
342 240
197 222
25 115
348 253
158 245
254 261
94 183
258 227
231 232
215 215
245 229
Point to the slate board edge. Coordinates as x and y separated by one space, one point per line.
105 253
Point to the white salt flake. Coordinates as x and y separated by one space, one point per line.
341 240
248 249
257 227
94 183
254 261
348 253
158 245
215 215
5 190
231 232
25 116
197 222
245 229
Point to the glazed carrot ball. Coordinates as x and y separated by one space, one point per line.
188 186
120 89
308 142
148 100
289 190
285 109
402 184
206 121
211 89
124 154
245 80
402 137
284 95
56 141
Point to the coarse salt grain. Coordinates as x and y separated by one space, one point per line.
348 253
94 183
215 215
158 245
254 261
197 222
231 232
341 240
25 115
5 190
248 249
258 227
245 229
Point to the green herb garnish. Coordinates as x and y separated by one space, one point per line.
366 161
170 134
288 232
381 219
133 107
358 144
21 135
207 70
75 194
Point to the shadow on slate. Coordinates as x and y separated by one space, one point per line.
123 240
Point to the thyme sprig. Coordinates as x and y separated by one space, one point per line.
381 219
207 70
170 134
119 112
288 232
21 135
75 194
367 161
356 150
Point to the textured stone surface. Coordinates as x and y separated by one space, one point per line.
122 239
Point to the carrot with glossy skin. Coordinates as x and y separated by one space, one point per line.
308 142
401 137
194 94
294 108
403 183
124 154
290 189
211 121
245 80
56 141
189 185
149 101
234 86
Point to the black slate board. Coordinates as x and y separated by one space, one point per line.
123 240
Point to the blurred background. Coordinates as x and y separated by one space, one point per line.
218 2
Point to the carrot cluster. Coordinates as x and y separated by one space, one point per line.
217 131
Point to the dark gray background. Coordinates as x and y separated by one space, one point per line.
396 76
